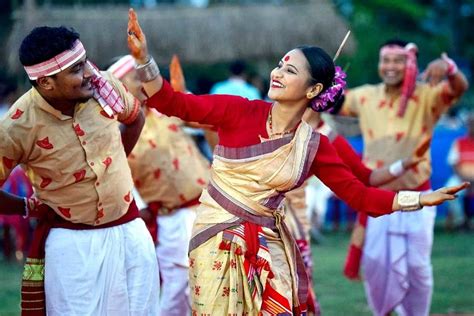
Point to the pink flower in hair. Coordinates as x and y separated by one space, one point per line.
324 100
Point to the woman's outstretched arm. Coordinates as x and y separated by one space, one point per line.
338 177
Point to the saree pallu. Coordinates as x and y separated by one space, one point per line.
243 259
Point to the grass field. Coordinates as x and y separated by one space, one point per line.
453 263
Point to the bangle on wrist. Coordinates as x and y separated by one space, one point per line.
409 201
452 67
396 169
148 71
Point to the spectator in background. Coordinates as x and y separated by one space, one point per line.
237 84
461 158
8 90
18 184
16 229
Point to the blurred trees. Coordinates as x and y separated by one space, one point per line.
434 25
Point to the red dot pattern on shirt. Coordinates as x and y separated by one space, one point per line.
103 113
107 162
173 127
78 130
65 211
45 182
176 164
7 162
399 136
80 175
45 143
127 197
18 113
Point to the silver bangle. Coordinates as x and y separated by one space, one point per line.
409 201
396 169
148 71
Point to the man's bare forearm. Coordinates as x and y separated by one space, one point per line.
131 133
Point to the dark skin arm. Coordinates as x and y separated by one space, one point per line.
131 133
11 204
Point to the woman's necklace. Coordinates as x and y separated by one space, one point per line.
270 127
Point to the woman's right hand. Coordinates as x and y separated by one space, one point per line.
441 195
136 39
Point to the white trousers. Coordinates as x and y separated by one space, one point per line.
174 233
109 271
397 262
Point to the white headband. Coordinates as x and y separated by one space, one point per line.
58 63
122 66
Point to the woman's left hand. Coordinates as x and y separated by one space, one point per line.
136 39
441 195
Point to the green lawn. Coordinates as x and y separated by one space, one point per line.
453 262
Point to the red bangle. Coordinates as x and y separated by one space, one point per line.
133 116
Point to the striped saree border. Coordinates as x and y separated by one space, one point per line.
252 151
228 204
311 150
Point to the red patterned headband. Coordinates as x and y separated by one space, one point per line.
57 63
122 66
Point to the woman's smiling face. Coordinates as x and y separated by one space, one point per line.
290 80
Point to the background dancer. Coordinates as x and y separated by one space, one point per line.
393 116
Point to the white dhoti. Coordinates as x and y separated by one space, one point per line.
397 262
108 271
174 233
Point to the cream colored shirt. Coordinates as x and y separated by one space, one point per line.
166 164
77 164
388 137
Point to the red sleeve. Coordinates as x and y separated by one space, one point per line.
352 159
239 121
329 168
216 110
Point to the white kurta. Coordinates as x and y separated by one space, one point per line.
108 271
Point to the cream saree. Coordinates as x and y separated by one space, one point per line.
243 261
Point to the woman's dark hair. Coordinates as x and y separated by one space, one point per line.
321 66
44 43
321 69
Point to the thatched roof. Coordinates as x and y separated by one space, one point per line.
215 34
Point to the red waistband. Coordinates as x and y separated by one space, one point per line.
132 213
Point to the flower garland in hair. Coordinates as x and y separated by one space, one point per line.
326 99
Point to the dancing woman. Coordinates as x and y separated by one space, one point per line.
242 259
